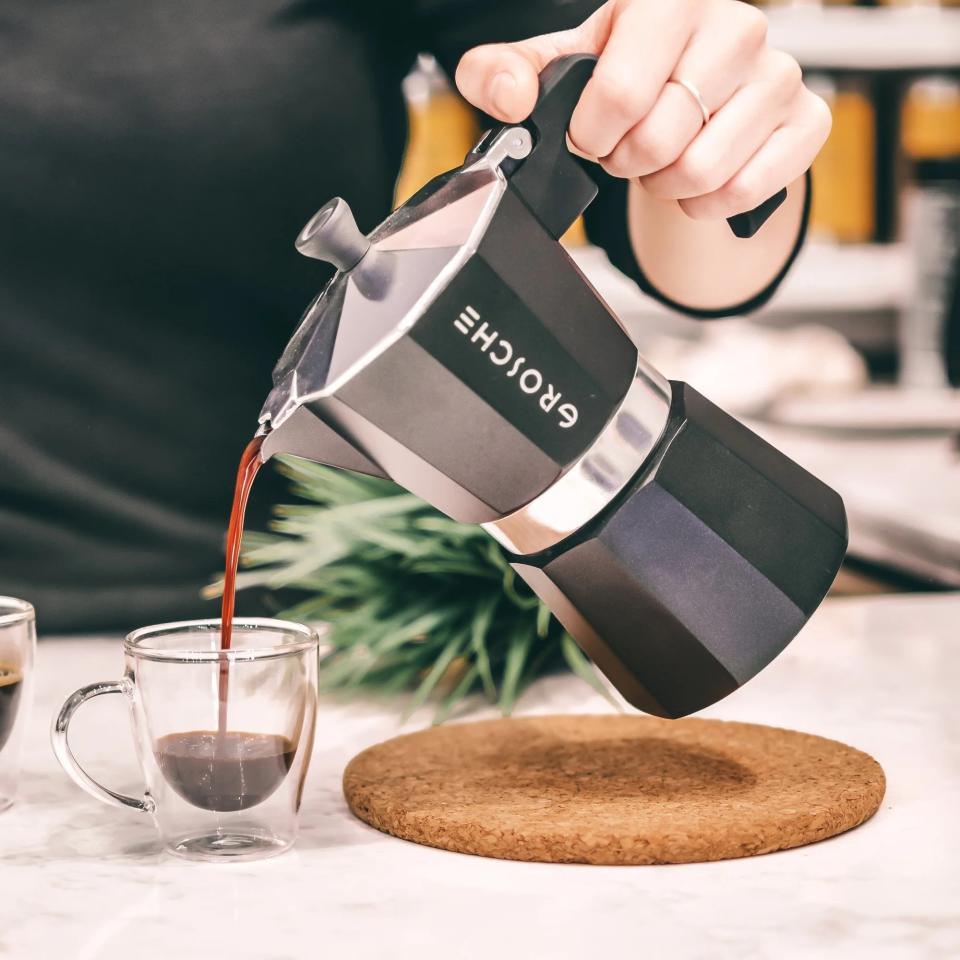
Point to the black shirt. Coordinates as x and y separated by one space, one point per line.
156 162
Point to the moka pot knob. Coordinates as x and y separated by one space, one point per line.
332 234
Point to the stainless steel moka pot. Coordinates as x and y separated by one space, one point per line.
460 352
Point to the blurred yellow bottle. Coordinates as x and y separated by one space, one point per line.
443 128
930 121
844 174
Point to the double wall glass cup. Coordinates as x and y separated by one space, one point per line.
223 737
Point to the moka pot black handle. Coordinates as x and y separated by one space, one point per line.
554 183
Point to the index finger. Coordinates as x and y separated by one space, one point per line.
638 58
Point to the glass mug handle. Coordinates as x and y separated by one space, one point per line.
61 746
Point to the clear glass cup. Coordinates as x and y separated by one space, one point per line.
18 641
224 737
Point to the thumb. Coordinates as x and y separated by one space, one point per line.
501 79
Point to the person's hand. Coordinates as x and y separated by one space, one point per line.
765 126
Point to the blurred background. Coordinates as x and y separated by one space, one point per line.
854 368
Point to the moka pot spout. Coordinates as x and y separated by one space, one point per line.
303 434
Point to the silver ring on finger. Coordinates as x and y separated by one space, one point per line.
694 92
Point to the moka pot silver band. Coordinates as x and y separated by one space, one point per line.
594 481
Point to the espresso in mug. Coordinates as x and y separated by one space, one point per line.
11 686
224 771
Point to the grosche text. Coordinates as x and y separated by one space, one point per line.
500 352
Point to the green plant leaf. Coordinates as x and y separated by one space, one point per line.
456 695
543 620
433 676
517 652
479 626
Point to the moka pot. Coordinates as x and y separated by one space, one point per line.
459 351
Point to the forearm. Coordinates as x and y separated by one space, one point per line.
699 265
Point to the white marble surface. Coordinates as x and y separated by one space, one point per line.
86 882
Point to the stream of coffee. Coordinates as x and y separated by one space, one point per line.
224 770
250 463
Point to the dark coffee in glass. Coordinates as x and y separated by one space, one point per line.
11 688
224 770
18 638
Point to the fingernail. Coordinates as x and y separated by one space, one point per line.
502 92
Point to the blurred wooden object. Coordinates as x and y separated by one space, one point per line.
852 582
918 36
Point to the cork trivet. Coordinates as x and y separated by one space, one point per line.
612 789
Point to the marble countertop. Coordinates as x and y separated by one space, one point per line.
86 882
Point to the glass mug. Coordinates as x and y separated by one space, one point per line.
224 737
18 640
